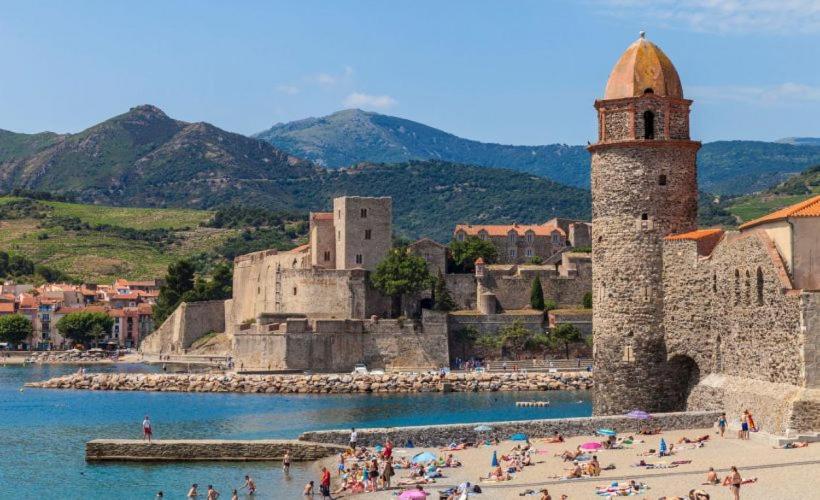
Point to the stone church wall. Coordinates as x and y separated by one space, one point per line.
742 333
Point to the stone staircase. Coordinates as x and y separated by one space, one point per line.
539 365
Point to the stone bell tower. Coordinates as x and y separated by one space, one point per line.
644 187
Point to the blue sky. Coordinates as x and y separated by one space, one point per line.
520 72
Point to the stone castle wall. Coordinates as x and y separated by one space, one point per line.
364 229
187 323
336 346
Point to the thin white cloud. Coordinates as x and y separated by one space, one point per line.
721 16
331 79
788 93
362 100
288 89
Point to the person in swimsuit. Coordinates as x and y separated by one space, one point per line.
193 493
734 483
234 495
341 467
286 463
744 427
212 493
250 485
722 424
308 491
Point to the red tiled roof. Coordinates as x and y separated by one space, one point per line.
300 248
6 307
7 297
806 208
696 235
321 215
504 230
125 296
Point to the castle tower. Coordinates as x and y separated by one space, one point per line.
644 187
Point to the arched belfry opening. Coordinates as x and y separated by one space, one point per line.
648 90
683 376
648 125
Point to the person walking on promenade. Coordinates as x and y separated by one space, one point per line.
353 438
722 424
324 484
212 493
286 463
147 432
193 493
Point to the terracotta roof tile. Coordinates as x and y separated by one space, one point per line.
6 307
504 230
300 248
696 235
321 215
806 208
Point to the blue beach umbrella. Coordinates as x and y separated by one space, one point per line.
423 457
518 437
662 446
606 432
494 462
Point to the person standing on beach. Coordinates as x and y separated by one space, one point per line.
744 426
286 463
722 424
146 429
324 484
353 438
734 483
387 473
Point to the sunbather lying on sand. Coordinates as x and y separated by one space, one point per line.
497 475
796 444
556 438
646 431
698 495
700 439
412 482
569 456
727 481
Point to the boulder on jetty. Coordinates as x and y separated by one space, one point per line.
322 384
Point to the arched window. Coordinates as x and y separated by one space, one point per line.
737 287
759 287
648 125
648 91
662 180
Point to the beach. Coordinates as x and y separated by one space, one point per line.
781 473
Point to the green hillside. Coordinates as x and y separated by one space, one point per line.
789 192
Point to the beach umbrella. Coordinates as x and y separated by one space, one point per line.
518 437
483 428
638 415
378 448
423 457
494 462
591 445
662 447
606 432
413 495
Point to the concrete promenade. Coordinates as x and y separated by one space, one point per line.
206 449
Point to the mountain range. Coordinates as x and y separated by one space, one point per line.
145 158
351 136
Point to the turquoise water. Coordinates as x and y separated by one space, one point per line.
44 432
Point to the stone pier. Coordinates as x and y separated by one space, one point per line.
206 449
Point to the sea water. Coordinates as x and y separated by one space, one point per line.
42 446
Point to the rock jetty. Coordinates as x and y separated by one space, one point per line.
322 384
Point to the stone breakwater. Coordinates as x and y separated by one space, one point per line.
322 384
207 449
442 435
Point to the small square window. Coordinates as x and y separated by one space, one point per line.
367 234
364 213
294 290
358 258
327 256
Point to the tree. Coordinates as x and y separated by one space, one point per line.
549 305
178 280
514 338
489 342
85 326
400 273
219 287
588 300
465 253
537 295
442 300
14 328
566 334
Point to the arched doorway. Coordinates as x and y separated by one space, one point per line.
684 375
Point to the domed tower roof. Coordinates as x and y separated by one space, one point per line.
642 67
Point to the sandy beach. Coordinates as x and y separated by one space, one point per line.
781 473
